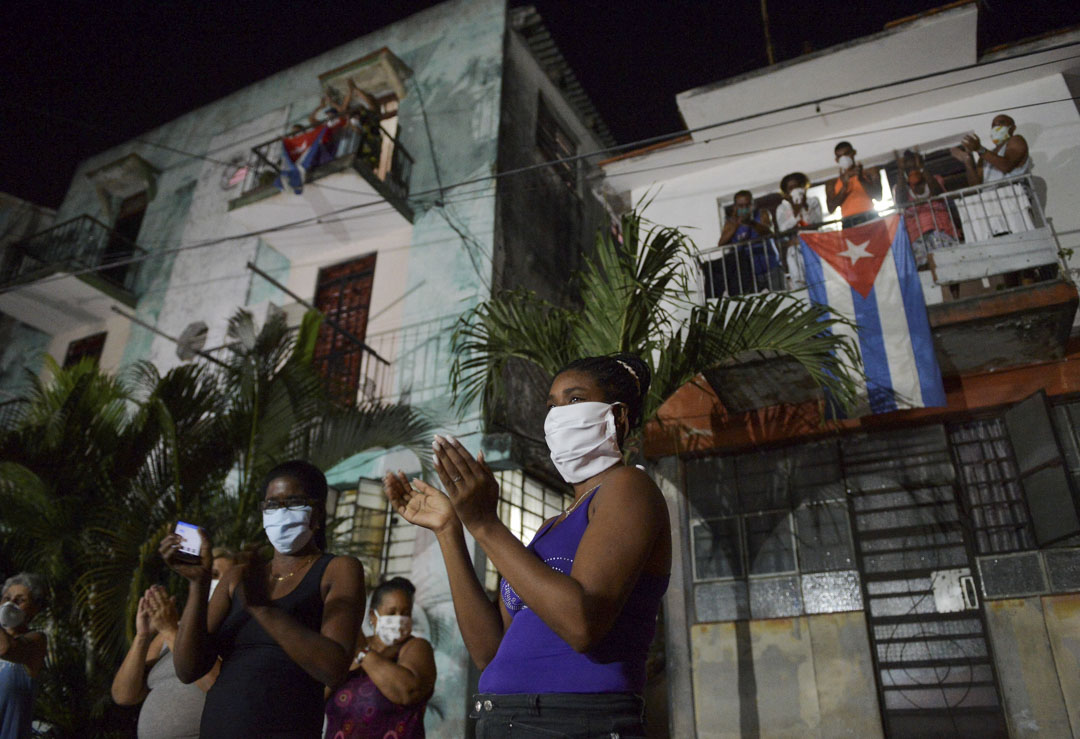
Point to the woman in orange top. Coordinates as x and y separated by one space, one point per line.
855 189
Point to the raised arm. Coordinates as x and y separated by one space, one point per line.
1011 157
871 179
628 516
478 618
325 654
193 655
410 679
129 684
833 198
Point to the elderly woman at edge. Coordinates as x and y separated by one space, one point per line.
22 652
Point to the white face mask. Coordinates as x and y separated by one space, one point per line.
999 134
797 195
11 616
287 529
392 629
582 439
845 163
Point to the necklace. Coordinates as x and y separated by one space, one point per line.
307 560
566 512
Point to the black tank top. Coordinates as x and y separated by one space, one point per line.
260 691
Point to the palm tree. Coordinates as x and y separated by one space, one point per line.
94 470
635 297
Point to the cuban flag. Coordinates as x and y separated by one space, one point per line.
867 274
299 153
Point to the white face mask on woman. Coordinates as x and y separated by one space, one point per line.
999 134
11 616
582 438
392 629
288 529
845 163
797 195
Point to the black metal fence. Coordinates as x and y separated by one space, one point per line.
83 243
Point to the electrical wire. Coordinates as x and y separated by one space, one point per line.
327 218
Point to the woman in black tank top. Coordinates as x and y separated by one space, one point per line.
282 629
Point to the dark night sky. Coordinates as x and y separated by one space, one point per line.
115 69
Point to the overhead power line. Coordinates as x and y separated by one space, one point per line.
330 217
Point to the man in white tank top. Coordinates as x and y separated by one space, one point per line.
1008 158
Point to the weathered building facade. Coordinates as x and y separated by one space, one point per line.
393 235
906 574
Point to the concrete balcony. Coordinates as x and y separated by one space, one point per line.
70 274
994 287
352 184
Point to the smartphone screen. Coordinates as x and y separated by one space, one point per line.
190 541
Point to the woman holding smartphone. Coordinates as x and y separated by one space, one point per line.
563 652
282 629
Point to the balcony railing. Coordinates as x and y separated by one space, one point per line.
11 412
361 141
82 244
981 231
409 364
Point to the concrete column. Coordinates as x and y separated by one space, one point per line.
678 602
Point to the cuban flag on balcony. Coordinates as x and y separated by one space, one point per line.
299 153
867 274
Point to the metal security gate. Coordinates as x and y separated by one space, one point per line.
935 672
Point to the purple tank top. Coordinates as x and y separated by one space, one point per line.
534 659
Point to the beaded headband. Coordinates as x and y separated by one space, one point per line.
628 368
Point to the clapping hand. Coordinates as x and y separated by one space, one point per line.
162 607
419 503
469 482
253 582
143 623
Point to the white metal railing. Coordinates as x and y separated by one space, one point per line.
988 229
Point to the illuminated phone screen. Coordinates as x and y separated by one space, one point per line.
190 542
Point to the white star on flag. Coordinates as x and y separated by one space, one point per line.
855 252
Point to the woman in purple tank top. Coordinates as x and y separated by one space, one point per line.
563 649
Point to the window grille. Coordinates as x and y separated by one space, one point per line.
524 505
555 144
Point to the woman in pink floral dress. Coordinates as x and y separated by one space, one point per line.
392 677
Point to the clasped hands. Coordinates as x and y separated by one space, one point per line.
471 497
156 612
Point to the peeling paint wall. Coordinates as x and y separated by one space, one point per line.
792 677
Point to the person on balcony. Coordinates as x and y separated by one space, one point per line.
360 110
929 224
796 211
392 677
752 263
1008 158
855 190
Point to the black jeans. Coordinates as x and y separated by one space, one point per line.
558 715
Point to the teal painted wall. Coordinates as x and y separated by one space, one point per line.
273 263
456 52
22 351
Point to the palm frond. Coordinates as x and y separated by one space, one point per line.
515 325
